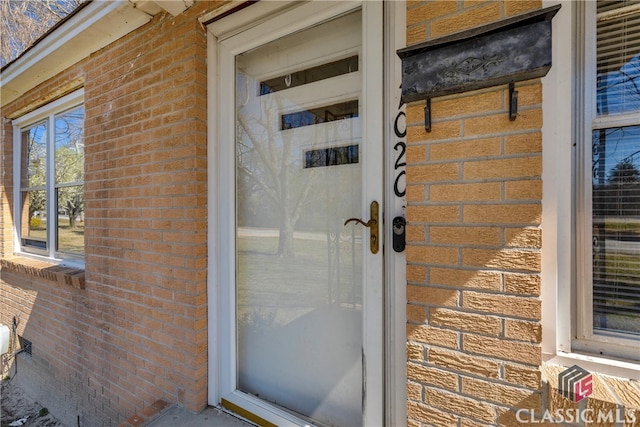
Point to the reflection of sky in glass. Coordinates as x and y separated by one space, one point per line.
69 146
613 146
619 91
37 149
69 127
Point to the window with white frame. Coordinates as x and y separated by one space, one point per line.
608 202
49 172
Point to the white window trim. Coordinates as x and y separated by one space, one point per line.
559 264
66 102
587 340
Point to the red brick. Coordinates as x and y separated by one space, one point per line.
145 182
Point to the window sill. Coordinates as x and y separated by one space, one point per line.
595 364
69 276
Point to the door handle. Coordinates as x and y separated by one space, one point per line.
372 225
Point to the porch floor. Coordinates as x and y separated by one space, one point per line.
209 417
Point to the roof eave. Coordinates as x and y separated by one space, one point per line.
90 29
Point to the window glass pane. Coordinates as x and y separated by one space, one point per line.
616 230
34 219
70 208
34 156
310 75
618 53
70 146
609 5
324 114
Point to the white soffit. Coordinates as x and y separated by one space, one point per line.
174 7
95 26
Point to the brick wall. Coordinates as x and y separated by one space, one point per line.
6 184
474 241
137 332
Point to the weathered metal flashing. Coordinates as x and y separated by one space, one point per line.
514 49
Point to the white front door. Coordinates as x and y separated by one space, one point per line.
300 269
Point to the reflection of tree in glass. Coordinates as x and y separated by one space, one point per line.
616 186
621 196
71 200
37 168
624 172
265 157
619 90
69 156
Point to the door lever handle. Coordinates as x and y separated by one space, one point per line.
372 225
359 221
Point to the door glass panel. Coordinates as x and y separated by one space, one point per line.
298 178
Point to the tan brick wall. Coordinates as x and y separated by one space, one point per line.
474 241
138 331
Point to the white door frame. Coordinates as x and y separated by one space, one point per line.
390 386
395 315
